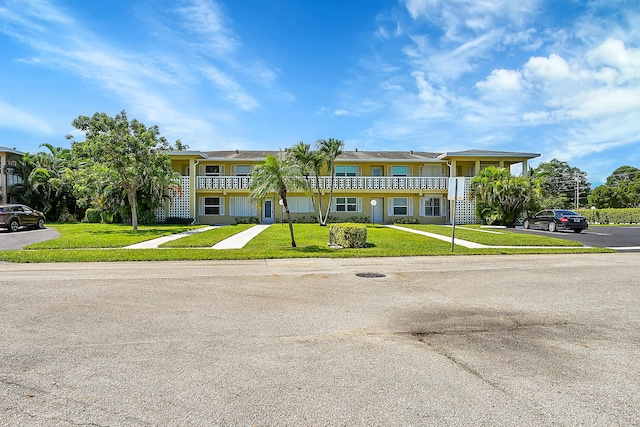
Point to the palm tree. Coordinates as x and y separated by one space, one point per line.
277 175
330 149
310 161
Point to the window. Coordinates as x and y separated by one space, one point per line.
241 206
431 206
212 170
346 204
212 206
243 170
400 206
300 205
399 171
346 171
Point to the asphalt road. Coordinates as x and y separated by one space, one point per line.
468 340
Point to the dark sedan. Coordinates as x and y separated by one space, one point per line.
557 219
12 217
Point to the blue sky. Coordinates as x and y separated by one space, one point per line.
556 77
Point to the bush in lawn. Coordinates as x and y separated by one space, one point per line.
93 216
403 220
247 220
349 235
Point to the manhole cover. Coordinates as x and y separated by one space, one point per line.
370 275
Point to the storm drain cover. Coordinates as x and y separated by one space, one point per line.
370 275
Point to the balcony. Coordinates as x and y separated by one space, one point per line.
382 183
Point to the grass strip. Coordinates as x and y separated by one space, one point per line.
206 239
497 237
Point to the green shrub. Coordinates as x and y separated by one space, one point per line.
93 216
178 220
403 220
247 220
349 235
147 217
611 215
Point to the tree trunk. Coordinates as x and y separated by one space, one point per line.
133 203
320 219
286 208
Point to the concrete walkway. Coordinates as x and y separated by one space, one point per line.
237 241
154 243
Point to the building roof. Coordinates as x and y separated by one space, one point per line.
4 149
352 156
486 153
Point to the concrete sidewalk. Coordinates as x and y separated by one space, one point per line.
239 240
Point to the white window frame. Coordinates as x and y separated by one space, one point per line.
242 173
346 170
241 206
392 205
203 205
428 206
300 204
212 173
356 203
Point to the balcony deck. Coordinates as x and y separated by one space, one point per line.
341 183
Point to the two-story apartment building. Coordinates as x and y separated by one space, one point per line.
380 186
8 158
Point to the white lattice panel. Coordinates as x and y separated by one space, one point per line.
179 205
466 207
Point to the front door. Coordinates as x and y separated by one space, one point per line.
376 211
267 212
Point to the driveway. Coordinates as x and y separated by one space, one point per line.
473 340
621 238
24 237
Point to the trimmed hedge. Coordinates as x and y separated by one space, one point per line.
93 216
349 235
178 220
611 215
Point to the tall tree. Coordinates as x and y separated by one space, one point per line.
621 190
277 175
563 186
330 149
500 197
137 154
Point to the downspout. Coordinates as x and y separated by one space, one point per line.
450 202
192 191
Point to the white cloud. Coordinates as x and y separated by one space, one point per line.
502 80
542 68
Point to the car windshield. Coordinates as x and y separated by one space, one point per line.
567 213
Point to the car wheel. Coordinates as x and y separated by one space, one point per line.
525 224
553 227
14 225
41 223
578 230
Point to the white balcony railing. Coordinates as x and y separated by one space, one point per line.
341 183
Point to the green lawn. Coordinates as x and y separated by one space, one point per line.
104 242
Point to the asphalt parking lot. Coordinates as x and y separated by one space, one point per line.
620 238
469 340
